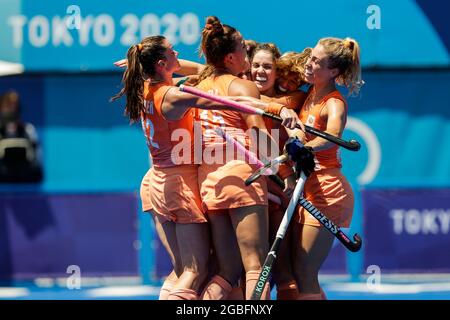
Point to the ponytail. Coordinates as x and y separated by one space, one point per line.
351 78
141 64
344 54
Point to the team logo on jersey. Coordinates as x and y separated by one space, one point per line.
213 91
310 120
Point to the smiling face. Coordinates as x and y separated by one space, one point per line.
289 83
263 71
316 68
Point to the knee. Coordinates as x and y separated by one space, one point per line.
251 241
253 251
253 265
254 259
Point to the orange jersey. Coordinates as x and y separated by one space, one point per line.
329 158
222 184
231 121
158 131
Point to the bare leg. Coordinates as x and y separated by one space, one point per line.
167 234
226 248
167 286
193 244
312 247
226 251
252 233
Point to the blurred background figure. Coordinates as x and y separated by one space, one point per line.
19 146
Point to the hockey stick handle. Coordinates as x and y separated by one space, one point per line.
282 229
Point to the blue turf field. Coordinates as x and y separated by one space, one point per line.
404 287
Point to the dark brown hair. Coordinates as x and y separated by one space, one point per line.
142 59
218 40
269 47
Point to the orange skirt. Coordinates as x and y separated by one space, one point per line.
173 194
222 186
329 191
145 192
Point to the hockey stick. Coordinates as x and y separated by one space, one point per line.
352 145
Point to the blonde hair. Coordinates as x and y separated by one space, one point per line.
344 54
293 62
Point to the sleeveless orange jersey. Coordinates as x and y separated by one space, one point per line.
326 188
158 131
221 183
329 158
231 121
169 189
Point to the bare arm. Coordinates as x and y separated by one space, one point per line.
240 87
190 67
176 103
292 100
289 116
296 133
336 116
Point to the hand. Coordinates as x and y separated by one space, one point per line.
305 161
121 63
289 185
290 119
303 156
276 190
